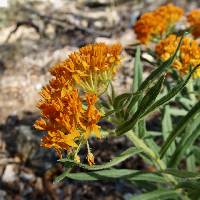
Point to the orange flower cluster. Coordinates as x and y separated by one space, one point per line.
194 20
188 55
68 117
92 67
156 23
65 119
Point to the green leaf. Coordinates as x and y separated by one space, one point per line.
157 194
141 128
96 175
110 95
155 74
185 102
151 95
151 143
113 94
166 122
154 133
191 161
132 106
120 100
177 112
108 114
146 101
171 93
191 187
138 70
109 174
116 160
137 80
185 144
196 151
189 184
146 176
179 128
158 71
167 127
182 173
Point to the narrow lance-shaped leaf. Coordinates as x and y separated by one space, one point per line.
151 95
157 194
113 95
119 103
190 184
120 100
179 128
155 74
109 174
183 145
190 161
108 114
141 128
118 159
147 100
167 127
171 93
137 80
182 173
137 71
96 175
191 187
132 175
158 71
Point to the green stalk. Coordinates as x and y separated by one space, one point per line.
190 88
159 164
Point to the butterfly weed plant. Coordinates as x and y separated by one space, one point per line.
71 109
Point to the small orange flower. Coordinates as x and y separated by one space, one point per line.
166 47
65 119
61 117
148 26
169 13
91 116
77 158
157 23
194 20
59 141
188 55
90 158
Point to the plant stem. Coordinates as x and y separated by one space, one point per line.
191 90
88 147
159 164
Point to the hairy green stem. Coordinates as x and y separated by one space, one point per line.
190 88
159 164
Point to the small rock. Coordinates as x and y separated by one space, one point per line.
10 173
27 142
27 176
2 67
105 40
128 37
39 184
3 195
